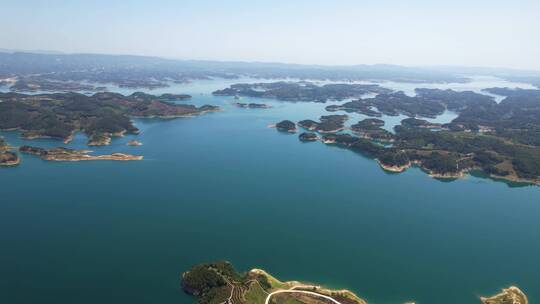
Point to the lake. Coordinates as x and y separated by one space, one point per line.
224 186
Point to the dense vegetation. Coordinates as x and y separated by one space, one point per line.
286 126
327 123
210 281
300 91
502 139
371 128
99 116
308 136
516 118
218 283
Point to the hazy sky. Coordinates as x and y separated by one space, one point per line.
416 32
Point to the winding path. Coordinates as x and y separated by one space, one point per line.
267 301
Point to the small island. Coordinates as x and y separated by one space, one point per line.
308 136
421 123
251 105
134 143
286 126
9 159
64 154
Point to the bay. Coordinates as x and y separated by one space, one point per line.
225 186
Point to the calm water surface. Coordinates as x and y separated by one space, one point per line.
224 186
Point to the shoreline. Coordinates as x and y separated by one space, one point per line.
86 157
393 169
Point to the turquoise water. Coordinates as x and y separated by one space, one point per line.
225 186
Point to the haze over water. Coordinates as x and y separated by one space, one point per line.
225 186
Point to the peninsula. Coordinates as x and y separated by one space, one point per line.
63 154
219 282
286 126
427 103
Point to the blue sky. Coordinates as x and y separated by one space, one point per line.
415 32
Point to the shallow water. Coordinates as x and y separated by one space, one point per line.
225 186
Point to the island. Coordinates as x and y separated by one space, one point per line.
220 282
308 136
7 157
100 116
301 91
64 154
286 126
251 105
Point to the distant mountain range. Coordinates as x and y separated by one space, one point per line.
17 63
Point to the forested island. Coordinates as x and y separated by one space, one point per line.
220 282
100 116
499 139
301 91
